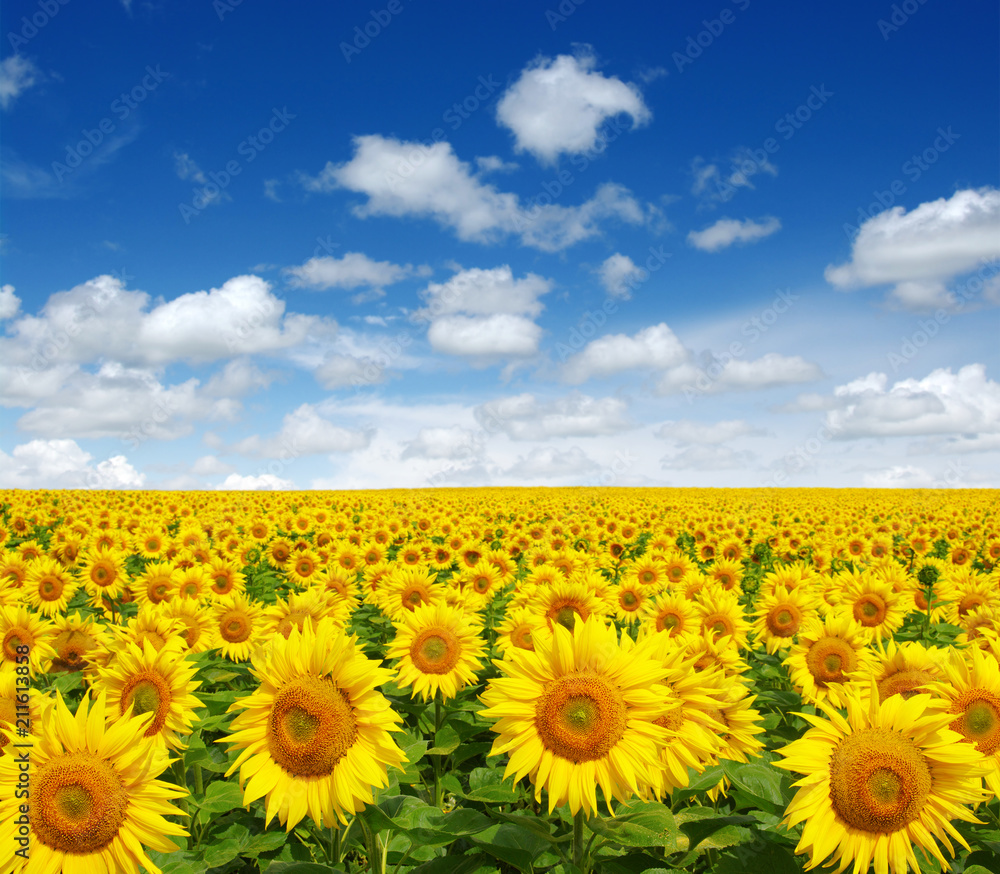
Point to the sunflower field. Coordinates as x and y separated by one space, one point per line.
466 681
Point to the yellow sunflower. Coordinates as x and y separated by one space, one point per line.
284 615
227 578
906 669
236 627
517 629
49 586
80 644
719 613
439 650
94 798
194 623
578 712
566 602
873 604
629 597
103 573
315 735
825 656
20 627
673 614
972 691
887 777
780 615
156 584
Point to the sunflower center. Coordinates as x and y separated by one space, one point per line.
435 650
668 622
879 781
311 726
580 717
869 610
147 692
78 803
14 638
629 601
50 588
521 638
719 624
979 722
783 620
970 602
234 627
647 578
904 683
829 659
565 614
413 598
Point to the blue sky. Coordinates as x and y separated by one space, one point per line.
405 244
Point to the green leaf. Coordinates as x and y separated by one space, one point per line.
468 751
220 797
488 785
646 824
450 865
774 859
445 742
636 863
762 783
977 869
701 823
218 853
299 868
263 843
511 844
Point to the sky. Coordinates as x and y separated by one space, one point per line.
402 244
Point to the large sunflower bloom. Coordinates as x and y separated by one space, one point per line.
781 614
578 712
237 626
94 799
19 626
49 586
315 734
439 649
825 656
154 681
886 777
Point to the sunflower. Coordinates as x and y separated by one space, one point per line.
150 543
103 573
303 567
719 613
886 777
279 552
965 590
20 627
578 712
481 584
406 588
94 797
673 614
194 623
16 705
315 735
873 604
727 573
157 584
439 650
236 627
904 669
972 691
567 601
647 572
678 568
80 644
517 629
14 569
629 598
49 586
825 656
779 616
284 615
226 577
151 623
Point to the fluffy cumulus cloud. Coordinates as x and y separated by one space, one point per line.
453 442
484 315
63 464
263 482
305 432
558 106
403 179
17 75
921 251
548 462
617 273
10 303
686 431
527 417
942 403
707 458
652 348
676 368
353 270
726 231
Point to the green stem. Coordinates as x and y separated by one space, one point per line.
578 850
199 786
438 759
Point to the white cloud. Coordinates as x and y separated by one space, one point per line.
211 465
525 417
304 432
547 462
63 464
411 179
707 458
655 347
10 303
734 374
484 315
353 270
557 106
725 232
686 431
264 482
714 184
17 75
963 403
920 251
617 272
900 476
452 442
